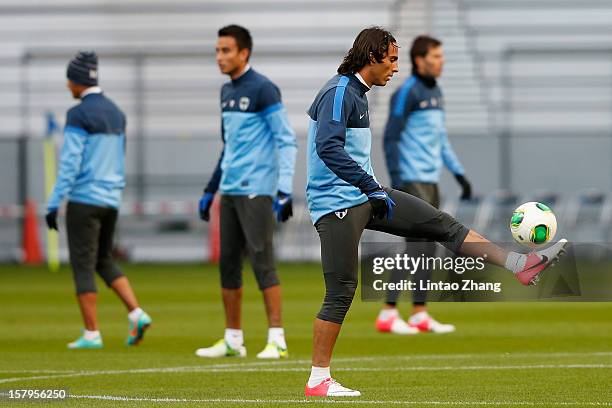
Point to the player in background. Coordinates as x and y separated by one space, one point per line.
416 147
344 198
255 176
92 176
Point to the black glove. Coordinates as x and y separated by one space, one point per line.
51 218
283 206
382 204
466 194
204 205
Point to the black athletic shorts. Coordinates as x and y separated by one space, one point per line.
247 226
90 243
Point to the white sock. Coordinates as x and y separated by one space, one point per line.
386 314
91 334
515 262
135 314
318 375
234 338
277 335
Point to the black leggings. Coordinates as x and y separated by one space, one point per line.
428 192
341 231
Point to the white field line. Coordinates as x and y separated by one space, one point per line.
414 368
360 359
35 371
261 366
340 401
305 370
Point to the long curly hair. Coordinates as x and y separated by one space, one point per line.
371 43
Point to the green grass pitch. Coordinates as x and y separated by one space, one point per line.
502 355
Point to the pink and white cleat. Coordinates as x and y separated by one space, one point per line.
394 324
538 261
423 322
329 388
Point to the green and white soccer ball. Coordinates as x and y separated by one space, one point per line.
533 224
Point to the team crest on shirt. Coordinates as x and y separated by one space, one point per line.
243 103
232 103
434 102
341 214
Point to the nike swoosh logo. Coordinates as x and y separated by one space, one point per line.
543 261
361 116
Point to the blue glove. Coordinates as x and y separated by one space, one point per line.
382 204
205 203
283 206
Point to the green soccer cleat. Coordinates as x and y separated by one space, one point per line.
83 343
221 349
138 328
273 351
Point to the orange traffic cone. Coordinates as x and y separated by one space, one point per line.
32 255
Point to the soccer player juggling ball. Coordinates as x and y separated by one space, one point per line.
344 198
255 176
92 176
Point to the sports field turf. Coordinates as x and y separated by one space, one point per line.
503 354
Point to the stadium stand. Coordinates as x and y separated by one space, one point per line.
527 87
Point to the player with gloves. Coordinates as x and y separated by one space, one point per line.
344 199
91 177
254 176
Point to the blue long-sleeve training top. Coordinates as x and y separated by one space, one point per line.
258 156
415 141
92 161
339 143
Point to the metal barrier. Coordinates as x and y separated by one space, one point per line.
172 231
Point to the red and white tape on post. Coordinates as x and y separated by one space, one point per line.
15 211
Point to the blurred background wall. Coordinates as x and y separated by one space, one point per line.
527 84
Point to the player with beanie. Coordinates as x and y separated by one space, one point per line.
92 177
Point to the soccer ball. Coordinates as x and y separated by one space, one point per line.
533 224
